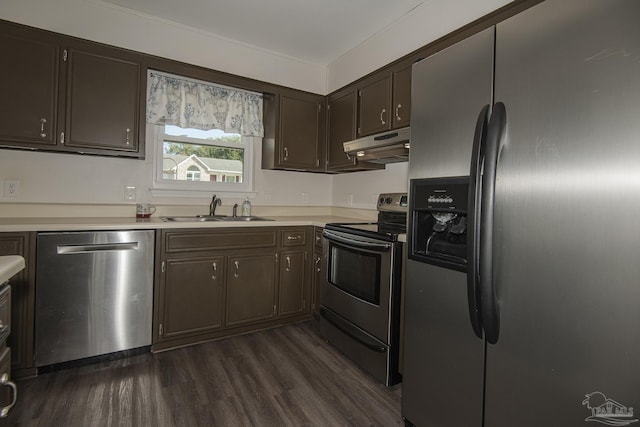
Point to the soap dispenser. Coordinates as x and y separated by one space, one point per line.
246 207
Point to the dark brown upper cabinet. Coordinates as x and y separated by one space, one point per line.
103 101
384 101
341 124
29 87
401 98
294 132
342 128
374 106
65 94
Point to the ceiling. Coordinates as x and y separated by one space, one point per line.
313 31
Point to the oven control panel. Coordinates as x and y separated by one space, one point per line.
393 202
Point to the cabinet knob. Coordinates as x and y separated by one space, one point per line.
43 134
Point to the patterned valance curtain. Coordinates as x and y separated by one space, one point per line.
178 101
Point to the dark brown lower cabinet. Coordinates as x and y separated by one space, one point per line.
251 288
293 280
219 282
193 297
318 271
22 303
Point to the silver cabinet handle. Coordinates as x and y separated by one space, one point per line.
384 110
215 271
128 133
43 134
288 267
398 118
298 237
237 272
318 267
4 381
286 153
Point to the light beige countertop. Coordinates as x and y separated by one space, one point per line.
10 265
126 223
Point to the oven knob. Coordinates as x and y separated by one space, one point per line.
388 200
381 201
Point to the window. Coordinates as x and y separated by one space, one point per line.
203 134
193 173
210 160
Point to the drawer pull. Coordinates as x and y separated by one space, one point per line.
298 237
215 271
4 380
288 266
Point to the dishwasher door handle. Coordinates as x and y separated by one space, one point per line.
98 247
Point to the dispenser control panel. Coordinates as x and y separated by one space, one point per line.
442 194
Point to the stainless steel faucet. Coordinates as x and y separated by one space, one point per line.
215 202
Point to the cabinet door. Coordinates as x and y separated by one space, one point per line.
22 302
342 128
192 297
375 114
402 98
300 144
103 101
293 283
29 91
251 288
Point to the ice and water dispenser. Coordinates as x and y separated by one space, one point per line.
438 221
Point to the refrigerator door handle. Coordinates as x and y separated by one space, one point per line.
489 306
473 220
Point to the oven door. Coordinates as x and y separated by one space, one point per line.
358 283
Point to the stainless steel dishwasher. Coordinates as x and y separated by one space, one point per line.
94 294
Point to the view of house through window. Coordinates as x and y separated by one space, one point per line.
197 155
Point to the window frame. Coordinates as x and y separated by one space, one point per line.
159 183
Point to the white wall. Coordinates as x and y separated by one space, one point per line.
426 23
360 189
77 179
110 24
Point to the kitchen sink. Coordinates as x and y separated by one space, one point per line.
244 218
207 218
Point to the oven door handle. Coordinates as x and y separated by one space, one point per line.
341 238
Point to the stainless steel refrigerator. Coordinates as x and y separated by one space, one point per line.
537 321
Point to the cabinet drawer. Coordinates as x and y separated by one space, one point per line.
294 237
5 313
219 240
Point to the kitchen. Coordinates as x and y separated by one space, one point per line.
277 193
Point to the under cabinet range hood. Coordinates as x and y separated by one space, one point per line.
388 147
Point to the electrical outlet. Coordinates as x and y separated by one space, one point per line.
350 199
304 197
129 193
11 189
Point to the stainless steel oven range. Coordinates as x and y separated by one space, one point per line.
360 298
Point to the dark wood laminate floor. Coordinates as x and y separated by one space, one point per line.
286 376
